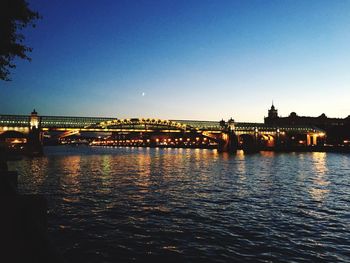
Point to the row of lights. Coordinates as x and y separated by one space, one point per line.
150 121
15 128
157 140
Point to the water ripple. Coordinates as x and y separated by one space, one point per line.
139 204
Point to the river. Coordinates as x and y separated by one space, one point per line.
193 205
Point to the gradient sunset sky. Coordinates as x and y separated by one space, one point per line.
192 59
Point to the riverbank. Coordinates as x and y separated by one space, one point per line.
23 224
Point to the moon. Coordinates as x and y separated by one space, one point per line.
143 94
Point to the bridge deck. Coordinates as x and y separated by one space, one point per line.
66 122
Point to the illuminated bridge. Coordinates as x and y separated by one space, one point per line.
227 134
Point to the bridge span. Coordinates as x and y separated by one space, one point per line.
226 135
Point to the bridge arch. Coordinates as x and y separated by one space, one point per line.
13 137
268 140
145 123
12 134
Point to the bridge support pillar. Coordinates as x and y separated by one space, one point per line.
228 142
35 142
278 139
35 138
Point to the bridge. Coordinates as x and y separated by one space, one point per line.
226 135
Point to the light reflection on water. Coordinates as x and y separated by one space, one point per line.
122 204
319 190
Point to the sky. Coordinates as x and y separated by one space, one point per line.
191 59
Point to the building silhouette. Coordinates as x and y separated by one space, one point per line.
337 129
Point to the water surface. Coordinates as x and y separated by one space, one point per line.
138 204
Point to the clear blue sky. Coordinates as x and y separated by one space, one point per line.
187 59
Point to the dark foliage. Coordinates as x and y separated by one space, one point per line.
14 16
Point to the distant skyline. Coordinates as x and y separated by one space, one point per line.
204 60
